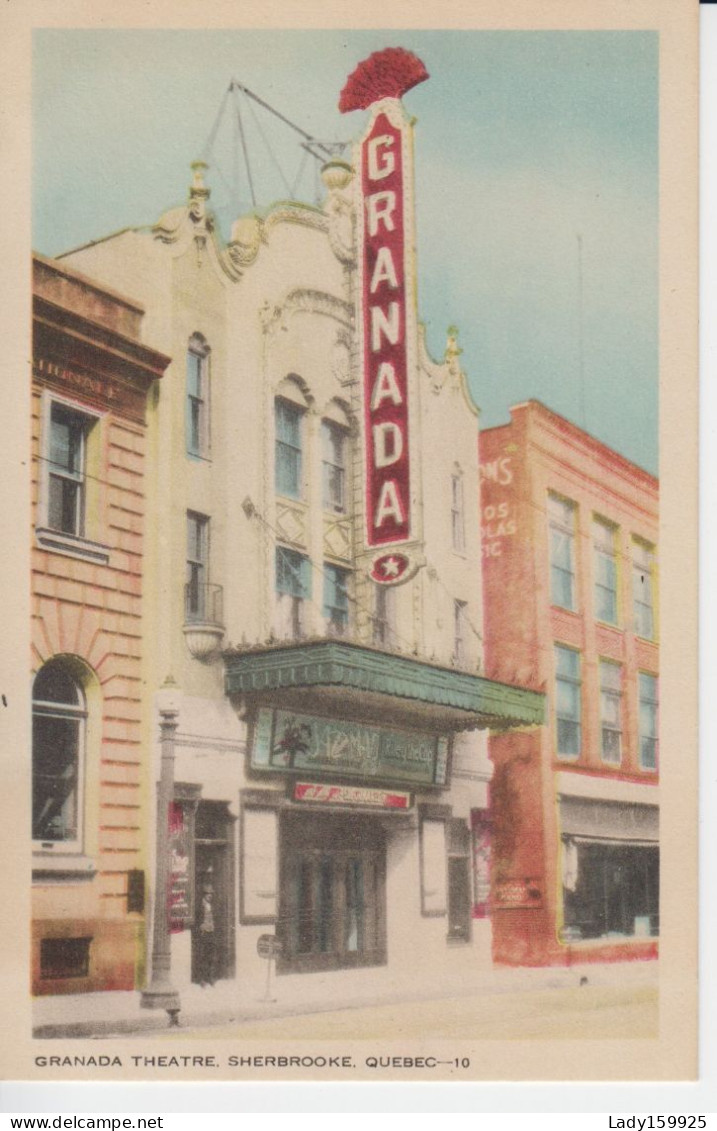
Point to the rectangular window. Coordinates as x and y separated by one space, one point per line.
384 615
293 590
648 703
611 712
458 531
460 626
336 600
288 449
604 536
567 701
67 470
333 450
643 567
197 574
610 890
198 397
561 524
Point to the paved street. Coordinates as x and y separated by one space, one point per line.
587 1012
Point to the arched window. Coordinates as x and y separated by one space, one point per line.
290 406
198 397
59 714
335 431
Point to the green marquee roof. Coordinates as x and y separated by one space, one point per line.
456 696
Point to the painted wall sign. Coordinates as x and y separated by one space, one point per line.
385 376
351 795
181 888
499 516
518 893
287 740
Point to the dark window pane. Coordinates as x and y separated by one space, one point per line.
459 900
288 449
304 925
55 746
54 684
325 900
63 512
66 435
65 958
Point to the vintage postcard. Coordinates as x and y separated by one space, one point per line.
351 702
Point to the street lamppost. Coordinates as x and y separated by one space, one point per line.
160 993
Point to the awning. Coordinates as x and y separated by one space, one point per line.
352 679
592 820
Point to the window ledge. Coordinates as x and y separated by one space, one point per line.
72 546
612 939
47 866
293 500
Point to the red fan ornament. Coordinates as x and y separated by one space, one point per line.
385 74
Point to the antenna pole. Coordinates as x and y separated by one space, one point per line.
581 341
250 93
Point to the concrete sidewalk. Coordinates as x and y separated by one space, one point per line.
114 1014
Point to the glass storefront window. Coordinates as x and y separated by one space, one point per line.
610 890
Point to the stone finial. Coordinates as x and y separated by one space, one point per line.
198 191
198 188
336 175
453 350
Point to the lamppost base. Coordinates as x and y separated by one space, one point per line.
162 998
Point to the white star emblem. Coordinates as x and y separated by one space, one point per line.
391 567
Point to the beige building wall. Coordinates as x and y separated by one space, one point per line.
276 310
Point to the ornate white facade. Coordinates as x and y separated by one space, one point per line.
331 752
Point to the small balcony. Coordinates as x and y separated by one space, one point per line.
203 618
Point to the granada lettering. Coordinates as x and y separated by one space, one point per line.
384 330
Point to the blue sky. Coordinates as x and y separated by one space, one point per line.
525 141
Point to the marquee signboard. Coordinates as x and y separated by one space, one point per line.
290 741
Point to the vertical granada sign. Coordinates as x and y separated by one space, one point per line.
384 336
383 78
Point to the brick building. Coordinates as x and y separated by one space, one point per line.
569 534
90 379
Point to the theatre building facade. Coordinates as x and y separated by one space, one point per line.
315 562
90 379
570 566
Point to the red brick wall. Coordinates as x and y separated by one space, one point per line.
520 463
